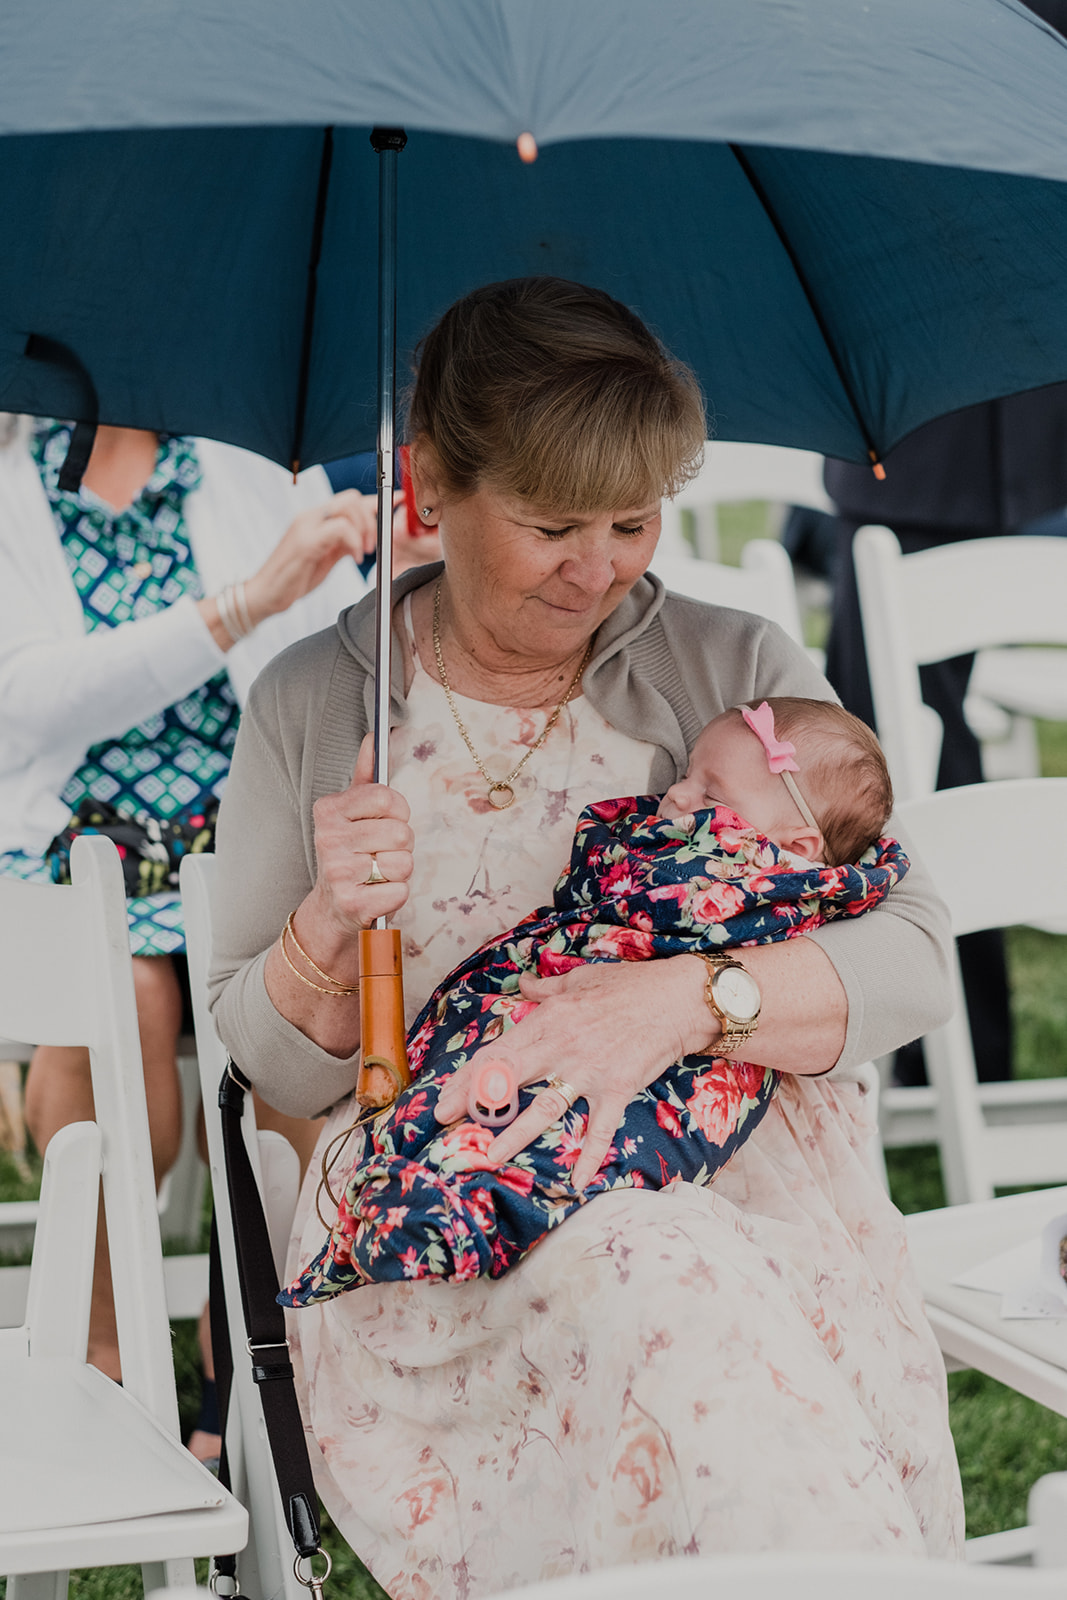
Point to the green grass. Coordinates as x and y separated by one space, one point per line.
1004 1442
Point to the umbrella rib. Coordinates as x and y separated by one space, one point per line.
816 310
303 377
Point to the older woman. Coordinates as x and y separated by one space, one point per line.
744 1366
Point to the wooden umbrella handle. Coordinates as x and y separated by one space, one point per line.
383 1069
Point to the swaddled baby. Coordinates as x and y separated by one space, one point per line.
739 852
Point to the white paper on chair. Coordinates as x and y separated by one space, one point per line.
1029 1277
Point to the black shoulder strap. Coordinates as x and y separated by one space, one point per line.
265 1326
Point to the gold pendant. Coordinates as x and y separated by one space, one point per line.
501 795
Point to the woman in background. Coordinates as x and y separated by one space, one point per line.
135 611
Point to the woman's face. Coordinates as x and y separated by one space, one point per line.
541 584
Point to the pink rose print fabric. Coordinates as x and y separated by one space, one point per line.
423 1200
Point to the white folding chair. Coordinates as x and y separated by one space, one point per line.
763 583
91 1473
927 607
179 1203
265 1565
976 594
1029 1356
734 472
994 851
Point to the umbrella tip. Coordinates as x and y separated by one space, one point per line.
526 145
876 466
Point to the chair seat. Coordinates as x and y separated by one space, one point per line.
98 1457
1030 1355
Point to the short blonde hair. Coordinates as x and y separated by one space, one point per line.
557 394
843 773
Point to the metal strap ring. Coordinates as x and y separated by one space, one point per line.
311 1581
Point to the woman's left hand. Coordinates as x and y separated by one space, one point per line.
609 1030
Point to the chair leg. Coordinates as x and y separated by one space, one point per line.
178 1574
38 1586
1047 1510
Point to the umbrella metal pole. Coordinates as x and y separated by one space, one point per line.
383 1068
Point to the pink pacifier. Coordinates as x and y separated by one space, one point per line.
493 1098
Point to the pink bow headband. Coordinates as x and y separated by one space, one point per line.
781 755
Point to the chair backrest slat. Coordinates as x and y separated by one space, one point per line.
762 584
980 592
975 594
47 989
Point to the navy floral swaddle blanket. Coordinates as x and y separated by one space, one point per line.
422 1200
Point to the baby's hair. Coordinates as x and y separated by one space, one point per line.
843 773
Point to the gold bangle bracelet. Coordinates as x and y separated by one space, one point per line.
342 992
291 931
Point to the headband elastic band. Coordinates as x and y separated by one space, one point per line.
781 755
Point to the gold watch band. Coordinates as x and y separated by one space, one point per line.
732 1033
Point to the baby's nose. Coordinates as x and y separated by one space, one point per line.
677 800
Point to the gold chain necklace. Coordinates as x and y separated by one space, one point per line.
501 792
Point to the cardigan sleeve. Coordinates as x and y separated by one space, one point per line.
263 871
893 963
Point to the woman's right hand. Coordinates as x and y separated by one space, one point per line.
366 819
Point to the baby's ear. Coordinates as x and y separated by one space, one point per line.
803 841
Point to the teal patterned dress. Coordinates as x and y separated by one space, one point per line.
126 566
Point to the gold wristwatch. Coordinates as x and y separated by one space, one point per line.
733 998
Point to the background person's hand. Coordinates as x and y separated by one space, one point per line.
363 820
608 1030
312 545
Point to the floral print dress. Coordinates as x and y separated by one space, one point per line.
737 1367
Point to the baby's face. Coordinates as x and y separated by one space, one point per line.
728 767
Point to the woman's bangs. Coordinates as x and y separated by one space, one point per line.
591 459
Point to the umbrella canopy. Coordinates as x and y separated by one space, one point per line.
849 216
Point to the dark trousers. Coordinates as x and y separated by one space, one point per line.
944 685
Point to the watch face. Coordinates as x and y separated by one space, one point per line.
737 992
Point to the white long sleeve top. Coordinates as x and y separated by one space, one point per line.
63 689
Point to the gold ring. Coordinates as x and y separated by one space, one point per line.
566 1090
375 875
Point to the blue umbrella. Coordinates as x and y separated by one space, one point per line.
848 215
